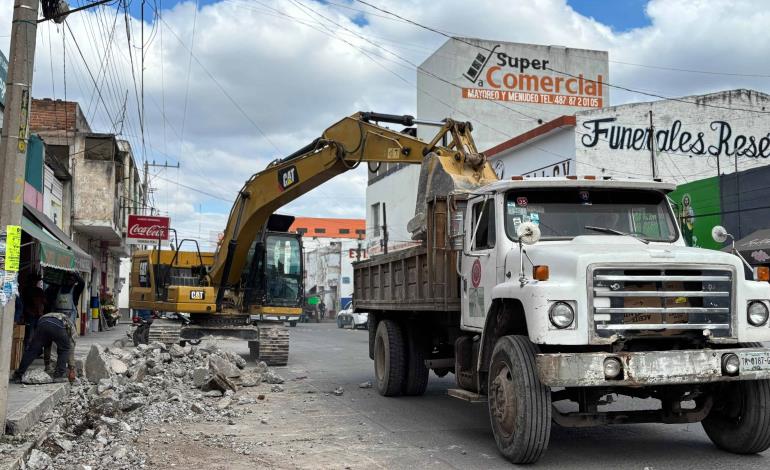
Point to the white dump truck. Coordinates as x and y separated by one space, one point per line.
548 297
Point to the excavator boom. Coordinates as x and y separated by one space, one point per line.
341 147
255 279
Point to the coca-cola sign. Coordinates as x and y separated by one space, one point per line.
146 229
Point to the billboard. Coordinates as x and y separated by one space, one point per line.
698 209
505 89
147 230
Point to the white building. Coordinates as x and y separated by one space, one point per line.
695 137
504 90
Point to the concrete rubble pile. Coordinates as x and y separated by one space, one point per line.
122 391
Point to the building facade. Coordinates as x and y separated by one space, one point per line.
679 140
504 89
330 248
90 185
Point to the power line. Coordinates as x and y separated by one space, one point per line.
221 88
656 95
612 85
96 86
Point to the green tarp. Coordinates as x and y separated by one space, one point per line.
53 253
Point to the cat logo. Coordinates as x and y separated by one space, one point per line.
287 177
197 295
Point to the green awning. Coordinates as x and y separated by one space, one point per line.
53 253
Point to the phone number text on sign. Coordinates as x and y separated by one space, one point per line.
535 98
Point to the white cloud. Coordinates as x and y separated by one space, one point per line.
294 80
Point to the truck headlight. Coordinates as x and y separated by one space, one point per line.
757 313
731 364
561 315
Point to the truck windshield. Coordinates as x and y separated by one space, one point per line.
565 213
282 260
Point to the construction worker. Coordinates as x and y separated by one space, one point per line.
65 298
54 327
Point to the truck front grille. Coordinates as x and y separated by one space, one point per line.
660 301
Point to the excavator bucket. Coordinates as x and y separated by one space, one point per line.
441 176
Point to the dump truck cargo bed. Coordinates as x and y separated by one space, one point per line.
422 278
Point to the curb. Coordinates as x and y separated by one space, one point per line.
30 414
16 461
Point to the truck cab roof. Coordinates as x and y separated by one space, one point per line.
576 182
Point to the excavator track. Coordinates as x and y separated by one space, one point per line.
273 344
164 331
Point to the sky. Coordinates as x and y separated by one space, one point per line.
230 85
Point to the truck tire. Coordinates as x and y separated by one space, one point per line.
739 421
389 358
416 374
519 405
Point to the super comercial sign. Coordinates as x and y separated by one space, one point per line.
496 75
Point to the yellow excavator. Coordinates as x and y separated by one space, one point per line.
257 269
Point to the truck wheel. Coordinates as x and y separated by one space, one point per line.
739 422
416 376
389 358
519 405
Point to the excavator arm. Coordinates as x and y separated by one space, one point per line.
341 147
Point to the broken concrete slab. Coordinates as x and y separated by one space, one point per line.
200 377
118 366
36 377
221 365
97 365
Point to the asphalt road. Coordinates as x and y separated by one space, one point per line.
442 432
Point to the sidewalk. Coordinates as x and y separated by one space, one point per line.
28 403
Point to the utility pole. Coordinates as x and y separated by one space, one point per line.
147 166
13 156
652 149
146 187
384 229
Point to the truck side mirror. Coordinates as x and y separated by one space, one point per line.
528 233
719 234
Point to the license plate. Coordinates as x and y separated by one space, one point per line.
197 295
753 361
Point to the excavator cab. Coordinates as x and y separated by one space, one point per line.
272 283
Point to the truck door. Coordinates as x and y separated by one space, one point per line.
479 263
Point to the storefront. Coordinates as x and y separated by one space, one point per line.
49 253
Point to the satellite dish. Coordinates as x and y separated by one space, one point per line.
719 234
529 233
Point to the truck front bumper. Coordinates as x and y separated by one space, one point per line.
651 368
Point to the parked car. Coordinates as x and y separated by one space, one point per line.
347 317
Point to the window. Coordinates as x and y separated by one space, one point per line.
319 230
301 230
375 213
144 274
344 231
565 213
485 234
360 231
345 280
